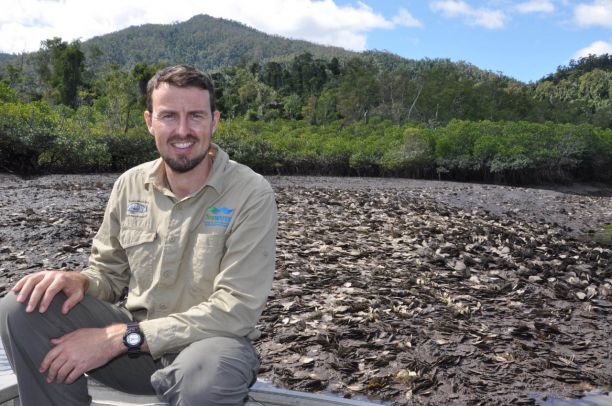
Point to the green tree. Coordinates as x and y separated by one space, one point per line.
308 76
292 106
400 91
309 110
141 73
117 99
60 67
359 90
325 108
595 87
447 94
7 94
272 75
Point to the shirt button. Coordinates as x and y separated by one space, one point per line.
166 274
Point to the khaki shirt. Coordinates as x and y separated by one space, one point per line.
194 268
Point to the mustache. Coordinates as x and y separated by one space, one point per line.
178 138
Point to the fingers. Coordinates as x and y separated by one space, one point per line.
54 352
53 288
40 289
56 341
73 376
19 284
57 366
71 301
62 373
59 370
33 287
25 285
48 360
74 354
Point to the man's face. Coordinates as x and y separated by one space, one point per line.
182 125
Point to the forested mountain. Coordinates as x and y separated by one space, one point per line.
212 44
206 42
577 68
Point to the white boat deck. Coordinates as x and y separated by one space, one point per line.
261 394
8 389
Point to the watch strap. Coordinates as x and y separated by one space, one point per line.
133 350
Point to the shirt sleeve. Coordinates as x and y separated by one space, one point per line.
108 268
240 290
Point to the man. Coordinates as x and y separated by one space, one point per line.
191 237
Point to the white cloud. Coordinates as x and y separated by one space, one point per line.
535 6
318 21
596 48
597 13
25 23
406 19
489 18
473 16
452 8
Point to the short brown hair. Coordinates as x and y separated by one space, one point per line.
181 76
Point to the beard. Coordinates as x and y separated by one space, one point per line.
184 164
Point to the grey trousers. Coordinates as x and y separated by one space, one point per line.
214 371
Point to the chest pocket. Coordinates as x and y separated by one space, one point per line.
208 251
139 246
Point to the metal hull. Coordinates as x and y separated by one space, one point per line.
260 395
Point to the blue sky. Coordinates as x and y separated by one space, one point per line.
524 39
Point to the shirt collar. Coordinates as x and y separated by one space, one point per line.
216 177
157 175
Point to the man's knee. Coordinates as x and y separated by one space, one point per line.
9 304
14 319
10 310
222 380
215 371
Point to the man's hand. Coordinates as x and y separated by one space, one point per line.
43 286
82 350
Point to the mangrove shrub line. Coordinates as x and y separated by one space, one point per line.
38 138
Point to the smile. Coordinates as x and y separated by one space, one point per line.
182 145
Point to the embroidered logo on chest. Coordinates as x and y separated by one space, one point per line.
218 217
137 208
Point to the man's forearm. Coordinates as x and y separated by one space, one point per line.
83 350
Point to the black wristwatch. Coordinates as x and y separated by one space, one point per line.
133 339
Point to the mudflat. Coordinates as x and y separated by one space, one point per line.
405 291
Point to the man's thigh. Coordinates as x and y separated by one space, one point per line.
88 313
122 373
216 370
131 375
39 328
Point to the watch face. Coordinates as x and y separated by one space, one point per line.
133 339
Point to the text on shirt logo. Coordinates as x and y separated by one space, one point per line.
218 217
137 208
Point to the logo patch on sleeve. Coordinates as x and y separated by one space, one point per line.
136 208
218 217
